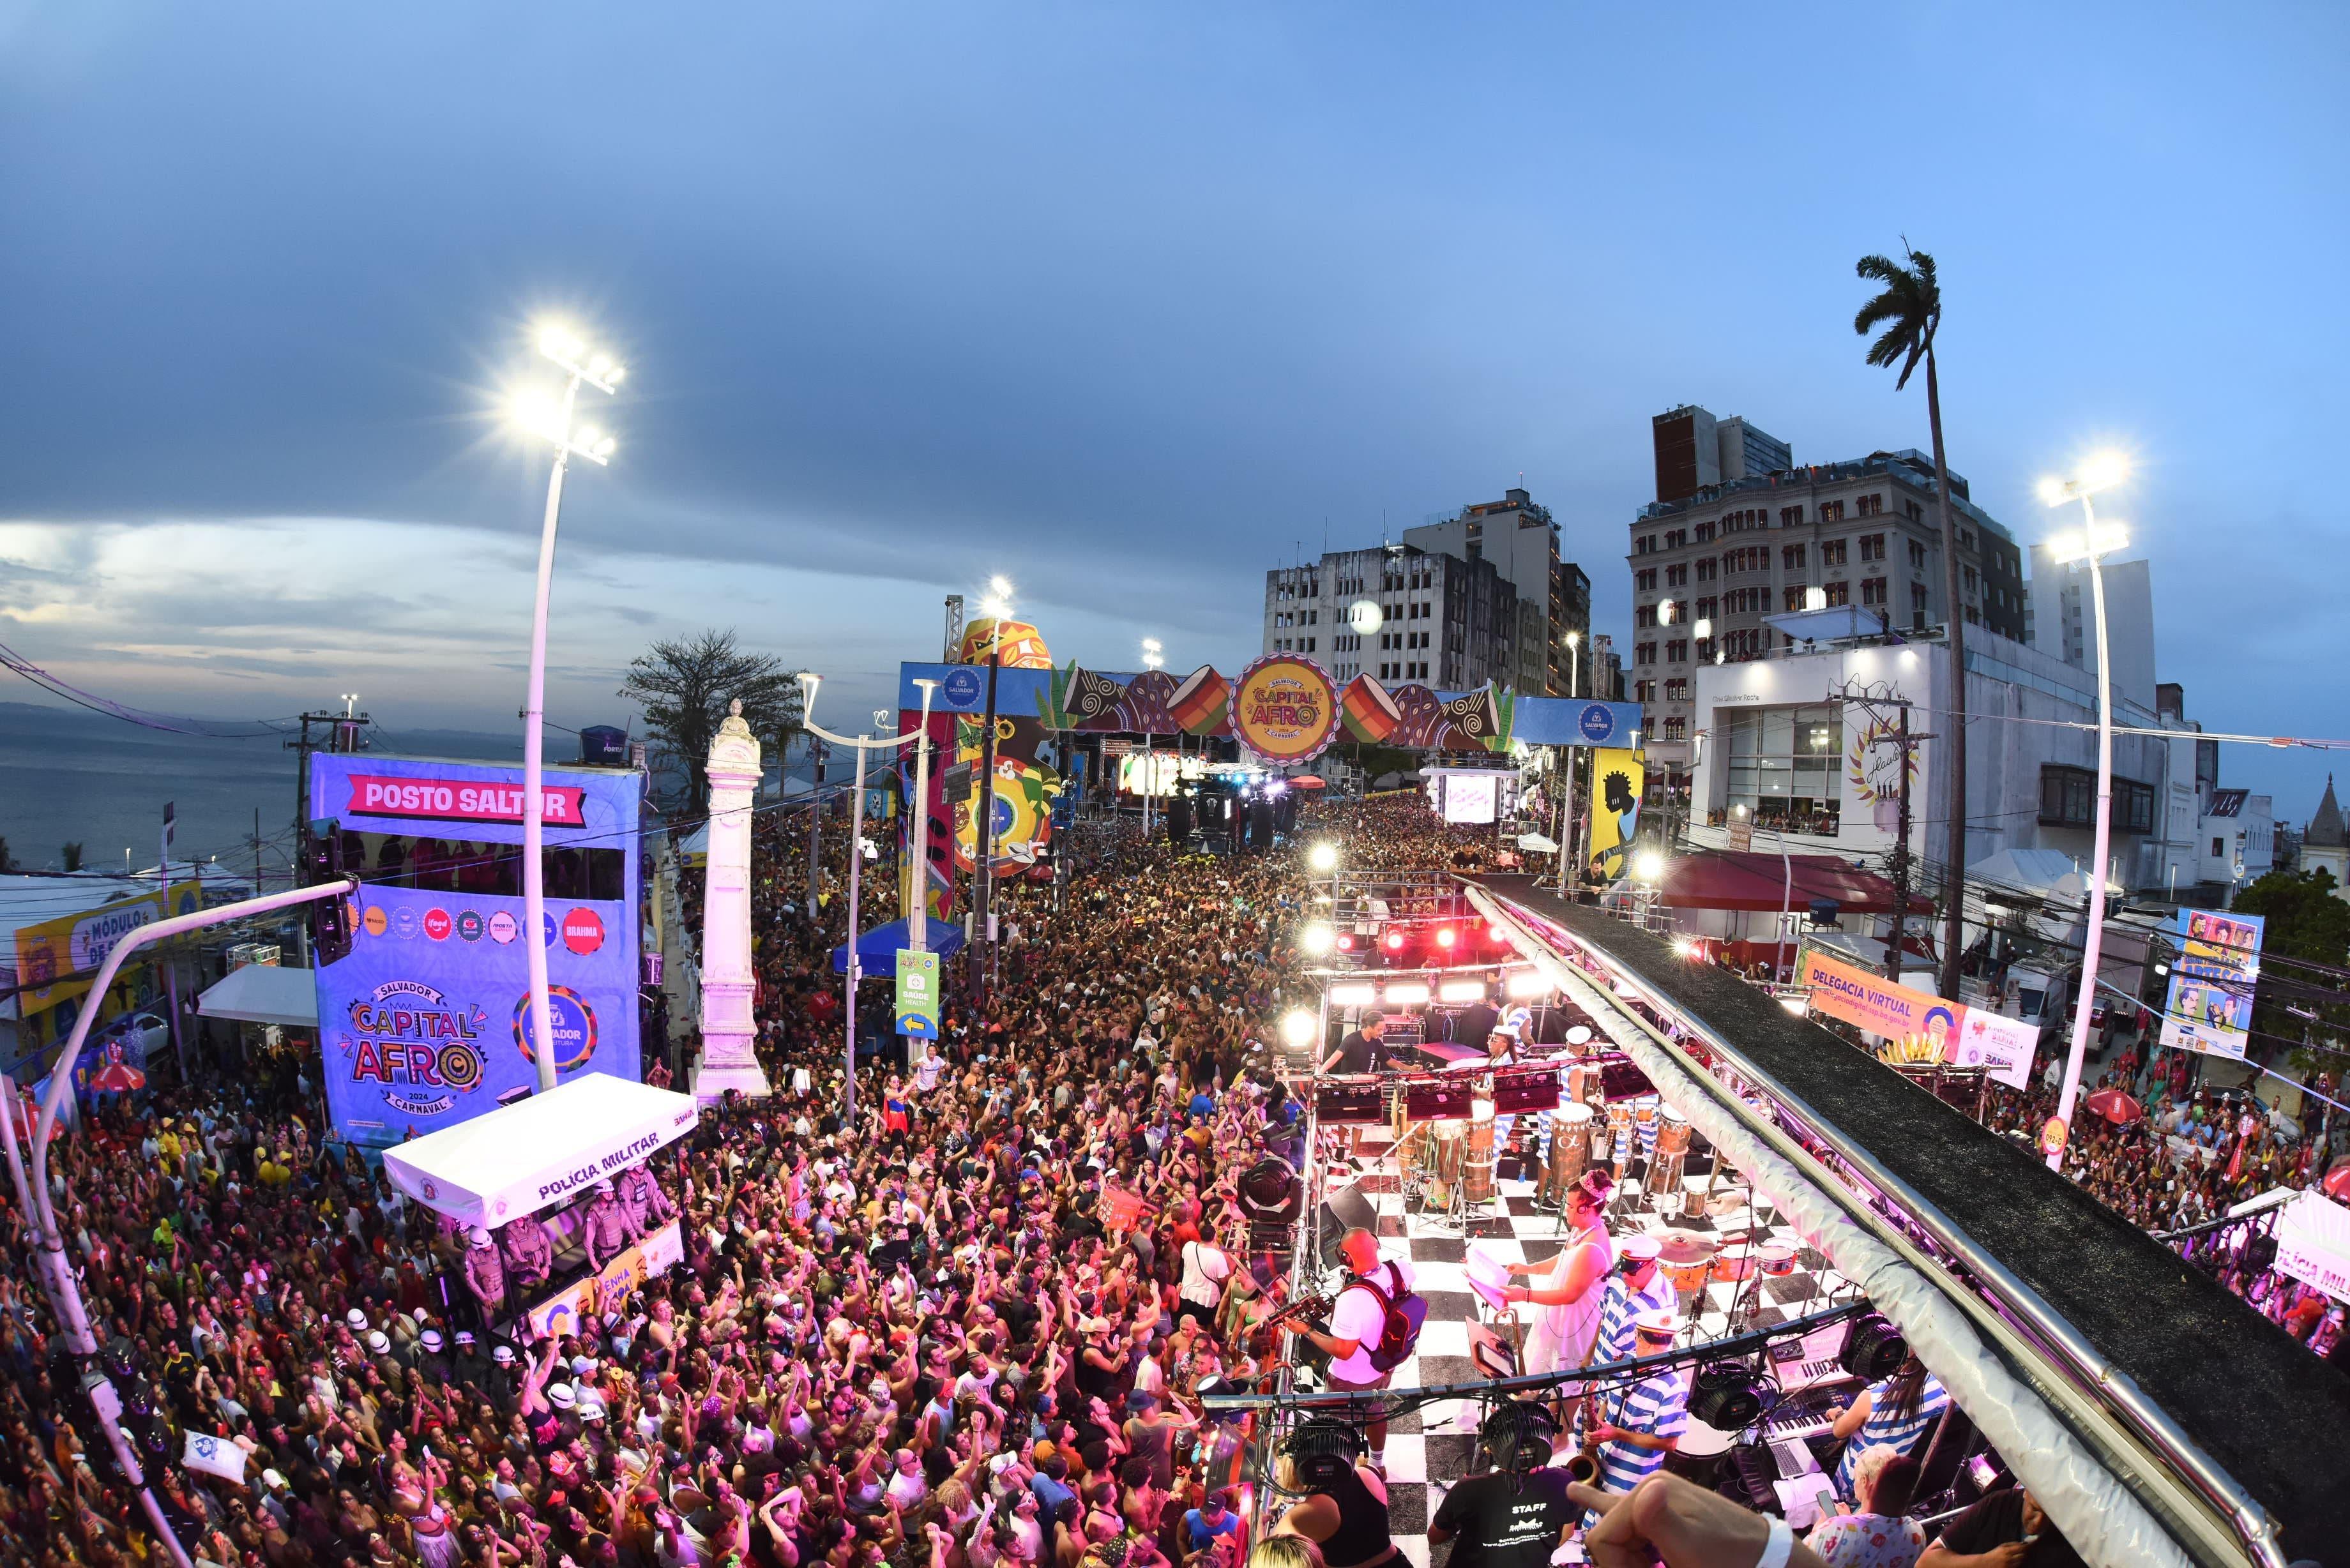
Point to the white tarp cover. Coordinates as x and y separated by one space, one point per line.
265 993
2106 1525
543 1151
2312 1238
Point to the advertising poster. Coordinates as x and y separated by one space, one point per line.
1467 799
77 944
1616 778
918 994
1284 708
1872 1003
426 1023
606 1292
2208 1007
2003 1046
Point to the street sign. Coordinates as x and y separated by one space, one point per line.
918 994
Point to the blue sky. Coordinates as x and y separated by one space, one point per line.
1123 301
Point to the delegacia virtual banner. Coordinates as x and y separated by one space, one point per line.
426 1023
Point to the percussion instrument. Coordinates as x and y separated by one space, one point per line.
1644 1116
1477 1172
1699 1457
1672 1131
1583 1084
1776 1261
1665 1174
1570 1144
1734 1263
1687 1278
1447 1147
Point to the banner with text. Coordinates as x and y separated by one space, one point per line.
2208 1007
918 994
426 1022
1871 1001
607 1290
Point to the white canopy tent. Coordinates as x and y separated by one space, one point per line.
265 993
539 1151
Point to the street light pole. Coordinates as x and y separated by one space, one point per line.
552 423
2092 546
808 683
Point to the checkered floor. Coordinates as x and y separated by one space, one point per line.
1431 1448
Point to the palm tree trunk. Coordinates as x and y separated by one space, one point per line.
1954 871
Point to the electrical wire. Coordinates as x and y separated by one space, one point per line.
239 730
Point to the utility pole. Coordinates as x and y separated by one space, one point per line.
818 753
1871 697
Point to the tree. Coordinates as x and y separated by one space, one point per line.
72 853
1909 308
2305 919
685 684
7 860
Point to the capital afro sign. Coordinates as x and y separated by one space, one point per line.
426 1023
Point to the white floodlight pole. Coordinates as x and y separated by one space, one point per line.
571 355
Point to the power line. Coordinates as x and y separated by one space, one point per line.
252 728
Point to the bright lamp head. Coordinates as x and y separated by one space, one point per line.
1317 938
1297 1027
1322 858
1648 866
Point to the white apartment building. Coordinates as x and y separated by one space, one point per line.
1553 594
1439 620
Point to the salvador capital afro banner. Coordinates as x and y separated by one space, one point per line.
426 1022
1284 708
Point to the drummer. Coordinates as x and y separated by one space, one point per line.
1637 1287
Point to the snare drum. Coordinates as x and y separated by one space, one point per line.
1700 1455
1734 1263
1776 1261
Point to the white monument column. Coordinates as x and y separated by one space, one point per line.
727 1060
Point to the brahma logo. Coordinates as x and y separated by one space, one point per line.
583 931
409 1036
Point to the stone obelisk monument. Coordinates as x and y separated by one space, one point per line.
727 1060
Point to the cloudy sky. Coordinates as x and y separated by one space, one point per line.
1128 302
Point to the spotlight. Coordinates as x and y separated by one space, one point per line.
1406 994
1394 941
1346 942
1462 991
1316 938
1446 936
1322 858
1358 995
1685 946
1532 982
1323 1448
1297 1027
1519 1437
1874 1349
1648 866
1724 1396
1270 1192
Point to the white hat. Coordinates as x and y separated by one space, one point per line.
560 1395
502 1354
465 1335
604 1186
591 1409
479 1235
583 1366
378 1343
356 1318
1640 1249
1658 1324
272 1479
432 1338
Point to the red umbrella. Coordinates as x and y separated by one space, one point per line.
2116 1107
2337 1180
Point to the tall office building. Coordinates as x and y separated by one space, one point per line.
1694 450
1708 567
1553 596
2060 620
1444 621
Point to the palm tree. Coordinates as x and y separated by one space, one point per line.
1910 310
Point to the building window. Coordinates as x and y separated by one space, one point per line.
1784 766
1645 580
1705 570
1642 614
1871 590
1676 537
1676 576
1794 598
1704 533
1966 574
1831 511
1707 608
1677 651
1917 556
2068 795
1831 552
1790 558
1677 689
1872 546
1644 691
1790 516
1644 653
1645 545
1869 505
1838 592
1676 729
2219 846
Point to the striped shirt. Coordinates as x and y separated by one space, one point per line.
1653 1405
1620 1307
1647 1131
1898 1433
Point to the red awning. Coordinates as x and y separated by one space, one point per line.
1746 879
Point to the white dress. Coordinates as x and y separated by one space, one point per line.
1561 1334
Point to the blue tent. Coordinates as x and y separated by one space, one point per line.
877 949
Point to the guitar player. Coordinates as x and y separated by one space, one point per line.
1357 1323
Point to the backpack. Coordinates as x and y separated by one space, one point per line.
1404 1312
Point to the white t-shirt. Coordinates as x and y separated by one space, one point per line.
1205 1269
1359 1316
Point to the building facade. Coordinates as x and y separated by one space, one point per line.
1553 596
1396 613
1708 568
2324 845
2060 618
1695 451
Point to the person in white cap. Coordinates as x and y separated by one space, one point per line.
604 1229
357 1319
529 1255
1637 1286
1630 1429
643 1202
485 1276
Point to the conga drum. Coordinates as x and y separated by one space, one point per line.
1620 1139
1477 1167
1570 1148
1448 1143
1672 1152
1699 1458
1644 1129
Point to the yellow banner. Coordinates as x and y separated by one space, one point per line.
75 944
605 1291
1921 1026
1617 779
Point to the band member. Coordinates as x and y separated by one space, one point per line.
1359 1049
1894 1411
1571 1287
1632 1428
1357 1323
1636 1288
1518 1512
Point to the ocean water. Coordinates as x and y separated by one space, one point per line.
69 774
